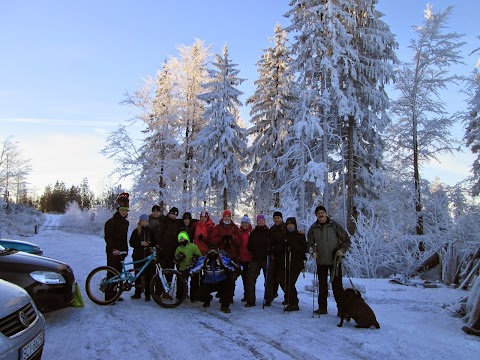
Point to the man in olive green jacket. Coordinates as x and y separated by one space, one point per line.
328 240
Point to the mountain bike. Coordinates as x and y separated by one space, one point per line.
168 287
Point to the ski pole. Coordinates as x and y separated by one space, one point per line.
289 277
266 281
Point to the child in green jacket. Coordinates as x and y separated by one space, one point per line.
186 255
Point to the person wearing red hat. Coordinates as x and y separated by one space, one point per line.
226 236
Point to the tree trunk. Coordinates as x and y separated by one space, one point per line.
351 178
225 200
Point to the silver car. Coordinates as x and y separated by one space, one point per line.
21 325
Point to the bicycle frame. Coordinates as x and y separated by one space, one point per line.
127 273
127 276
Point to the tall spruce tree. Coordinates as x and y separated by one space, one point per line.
343 55
271 106
422 128
362 129
222 142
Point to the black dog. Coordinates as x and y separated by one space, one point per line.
351 305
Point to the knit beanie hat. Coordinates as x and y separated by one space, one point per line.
155 208
123 200
143 217
277 213
187 215
173 210
227 213
260 217
291 220
246 219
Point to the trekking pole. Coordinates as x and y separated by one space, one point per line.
267 267
289 277
314 252
285 277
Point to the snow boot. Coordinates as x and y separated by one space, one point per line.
138 294
474 329
225 309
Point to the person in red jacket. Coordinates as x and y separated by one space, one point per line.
245 256
202 232
203 229
226 236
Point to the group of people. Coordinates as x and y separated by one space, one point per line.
213 256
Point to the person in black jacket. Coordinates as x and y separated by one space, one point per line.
259 246
291 262
188 225
141 240
277 236
166 239
116 232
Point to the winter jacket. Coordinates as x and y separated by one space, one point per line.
166 238
189 229
154 223
294 248
190 251
245 255
277 236
227 237
259 243
202 234
139 251
327 239
116 233
215 269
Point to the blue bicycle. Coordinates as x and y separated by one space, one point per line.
168 287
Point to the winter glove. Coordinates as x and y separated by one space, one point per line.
227 239
194 259
179 257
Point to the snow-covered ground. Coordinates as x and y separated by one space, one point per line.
416 322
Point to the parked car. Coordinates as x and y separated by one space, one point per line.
21 245
21 324
50 283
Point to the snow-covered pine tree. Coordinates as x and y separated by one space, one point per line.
271 106
362 130
222 142
422 129
321 51
472 130
344 53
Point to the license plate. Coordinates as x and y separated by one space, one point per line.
28 350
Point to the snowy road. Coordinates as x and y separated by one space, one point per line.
416 322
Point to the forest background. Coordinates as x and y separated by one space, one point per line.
322 130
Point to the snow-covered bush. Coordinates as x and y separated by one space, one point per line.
90 221
17 221
376 252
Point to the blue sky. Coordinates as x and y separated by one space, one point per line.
66 66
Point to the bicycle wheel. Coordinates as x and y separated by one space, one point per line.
99 290
175 291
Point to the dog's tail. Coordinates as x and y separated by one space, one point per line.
377 325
